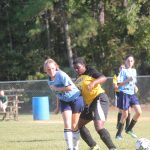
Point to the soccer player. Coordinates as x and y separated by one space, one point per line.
71 102
127 97
96 101
116 90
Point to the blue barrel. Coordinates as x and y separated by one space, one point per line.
40 108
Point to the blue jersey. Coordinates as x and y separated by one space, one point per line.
123 75
63 80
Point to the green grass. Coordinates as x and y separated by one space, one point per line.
27 134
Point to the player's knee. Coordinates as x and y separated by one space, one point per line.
139 113
99 125
74 126
124 116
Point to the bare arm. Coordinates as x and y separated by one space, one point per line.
125 82
56 111
61 89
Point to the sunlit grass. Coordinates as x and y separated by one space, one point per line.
27 134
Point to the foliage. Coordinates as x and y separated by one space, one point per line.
32 30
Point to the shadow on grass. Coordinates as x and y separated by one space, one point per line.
24 141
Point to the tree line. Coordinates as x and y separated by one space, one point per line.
101 31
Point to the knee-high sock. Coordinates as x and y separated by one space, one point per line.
86 136
76 136
131 125
127 121
118 118
120 128
105 136
68 138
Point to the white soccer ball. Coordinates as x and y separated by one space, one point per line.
142 144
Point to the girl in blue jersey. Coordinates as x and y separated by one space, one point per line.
71 103
116 92
127 97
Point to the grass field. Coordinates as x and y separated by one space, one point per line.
27 134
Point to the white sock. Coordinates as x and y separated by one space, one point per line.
76 136
68 138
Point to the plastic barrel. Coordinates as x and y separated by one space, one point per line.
40 108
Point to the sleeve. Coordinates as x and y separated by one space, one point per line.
121 76
93 72
65 79
135 76
115 79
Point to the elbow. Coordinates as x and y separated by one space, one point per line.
104 79
69 88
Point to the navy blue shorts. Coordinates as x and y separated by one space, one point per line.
126 100
76 106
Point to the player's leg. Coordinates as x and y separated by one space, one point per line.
75 131
100 111
123 105
121 124
67 118
77 107
119 110
138 112
128 118
85 118
118 117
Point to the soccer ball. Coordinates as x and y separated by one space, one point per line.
142 144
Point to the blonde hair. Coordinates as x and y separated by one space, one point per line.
50 61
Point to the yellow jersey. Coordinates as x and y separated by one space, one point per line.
82 83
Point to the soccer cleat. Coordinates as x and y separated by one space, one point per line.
96 147
131 134
118 137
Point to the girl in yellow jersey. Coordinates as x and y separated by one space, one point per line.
96 103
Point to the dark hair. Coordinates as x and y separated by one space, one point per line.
79 60
116 71
130 55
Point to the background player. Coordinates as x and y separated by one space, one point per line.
127 96
116 91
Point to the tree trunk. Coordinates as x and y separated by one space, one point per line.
66 33
125 3
48 31
101 12
9 32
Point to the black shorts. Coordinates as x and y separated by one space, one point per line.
97 110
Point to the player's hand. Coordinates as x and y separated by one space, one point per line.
136 89
90 86
52 87
130 78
